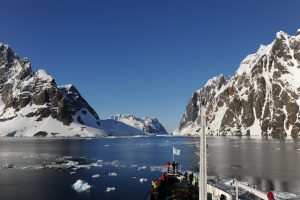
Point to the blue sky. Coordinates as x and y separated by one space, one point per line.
142 57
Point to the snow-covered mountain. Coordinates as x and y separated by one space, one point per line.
147 125
31 104
262 98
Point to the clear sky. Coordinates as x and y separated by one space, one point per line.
142 57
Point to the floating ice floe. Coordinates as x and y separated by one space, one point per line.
116 163
112 174
141 168
142 180
75 163
110 189
72 172
42 156
7 166
157 168
98 163
285 195
96 176
81 186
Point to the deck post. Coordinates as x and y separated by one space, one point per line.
202 170
236 190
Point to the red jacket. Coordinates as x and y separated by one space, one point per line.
168 165
270 195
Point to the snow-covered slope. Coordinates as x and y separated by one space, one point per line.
147 125
116 128
262 98
31 104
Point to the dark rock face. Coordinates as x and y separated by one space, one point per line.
262 98
76 102
208 92
37 92
40 134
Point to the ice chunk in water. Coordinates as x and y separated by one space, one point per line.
285 195
81 186
142 180
110 189
96 176
112 174
141 168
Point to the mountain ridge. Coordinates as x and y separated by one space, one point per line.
261 98
33 105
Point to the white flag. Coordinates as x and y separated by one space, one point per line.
176 151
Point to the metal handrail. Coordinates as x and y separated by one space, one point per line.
256 192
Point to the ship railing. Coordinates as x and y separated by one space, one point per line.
216 192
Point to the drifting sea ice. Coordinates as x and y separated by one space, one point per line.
112 174
141 168
157 168
81 186
285 195
96 176
142 180
110 189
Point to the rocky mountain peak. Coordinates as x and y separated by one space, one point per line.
34 97
6 54
262 98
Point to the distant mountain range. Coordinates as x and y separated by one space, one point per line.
147 124
261 98
31 104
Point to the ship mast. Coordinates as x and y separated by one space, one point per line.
203 165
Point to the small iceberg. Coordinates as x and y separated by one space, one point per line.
142 180
110 189
81 186
112 174
285 195
96 176
141 168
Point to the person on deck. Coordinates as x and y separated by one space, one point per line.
173 166
153 184
176 167
191 177
168 164
270 196
185 177
162 180
195 181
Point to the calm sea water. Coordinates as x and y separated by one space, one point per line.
26 172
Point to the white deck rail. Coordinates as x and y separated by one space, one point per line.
251 190
216 192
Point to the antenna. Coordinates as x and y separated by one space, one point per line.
203 165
